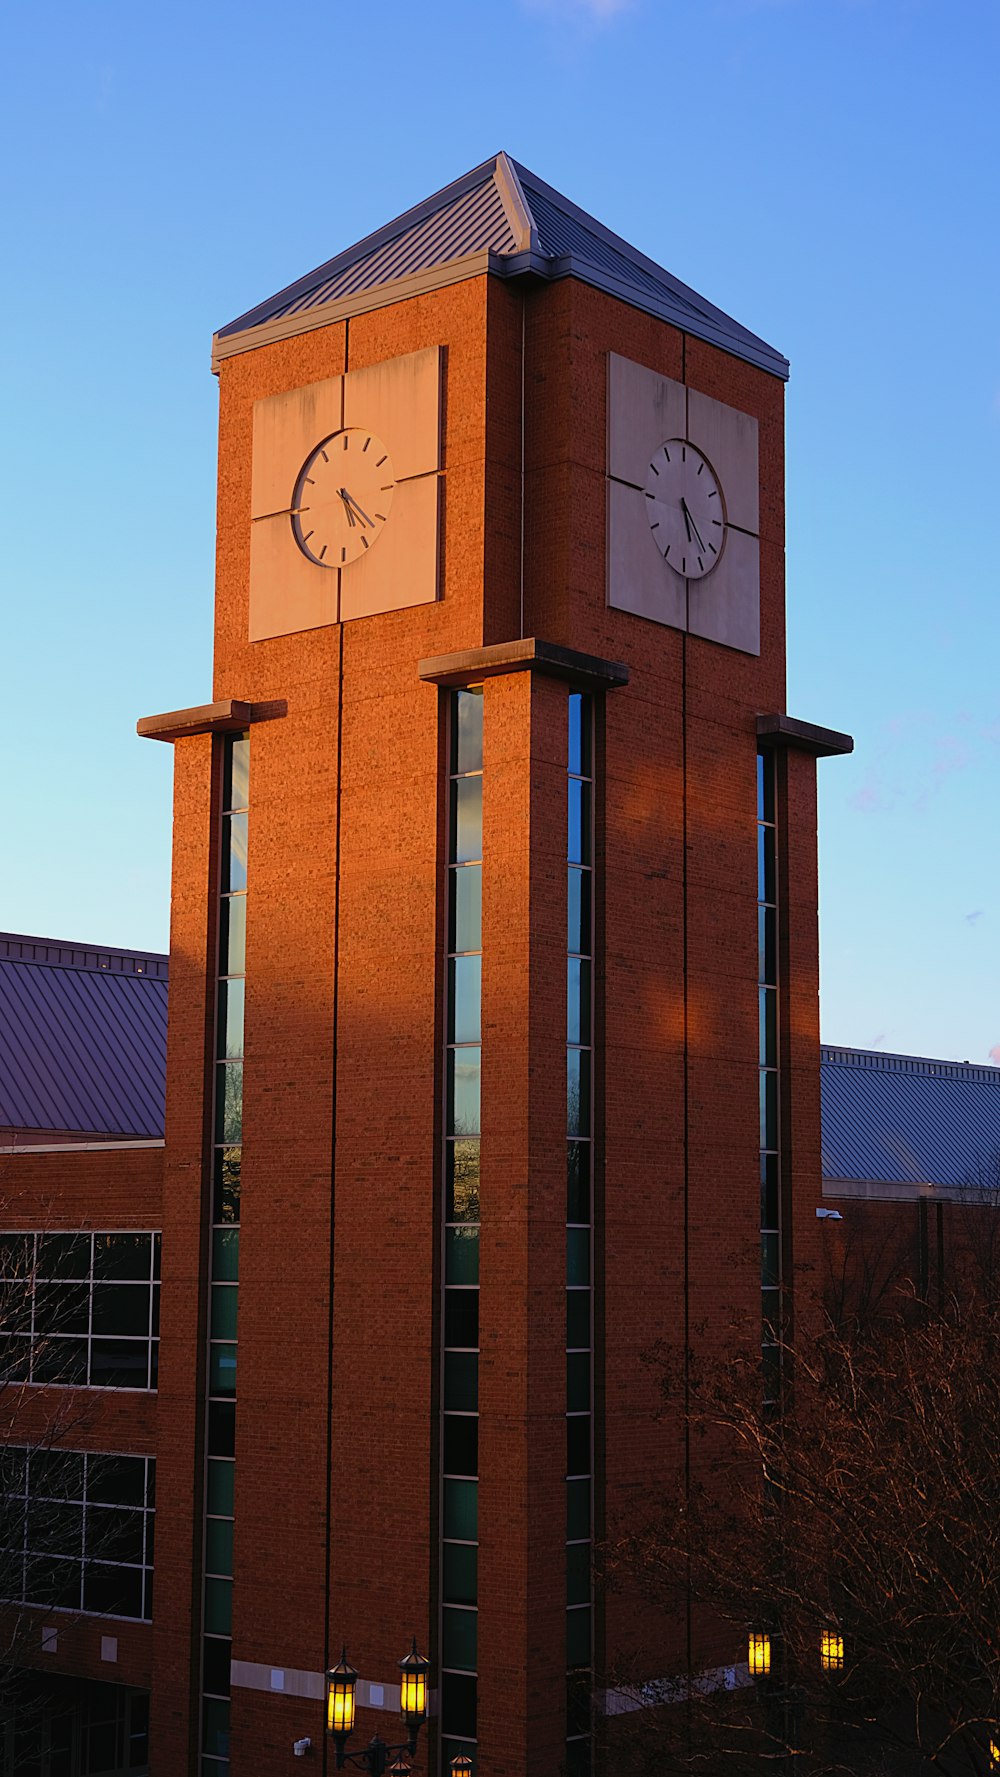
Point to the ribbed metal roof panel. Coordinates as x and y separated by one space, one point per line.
82 1049
908 1119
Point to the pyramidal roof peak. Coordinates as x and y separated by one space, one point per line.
499 218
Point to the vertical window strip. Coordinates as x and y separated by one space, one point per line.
460 1318
227 1155
770 1157
579 1234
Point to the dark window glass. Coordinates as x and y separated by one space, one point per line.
769 1190
461 1382
771 1311
458 1704
233 935
765 864
55 1528
467 820
770 1261
119 1363
234 853
236 774
61 1360
16 1257
577 1092
463 1091
461 1444
221 1428
461 1255
15 1358
459 1573
121 1309
765 787
577 1510
62 1308
578 1702
577 1000
770 1358
157 1243
578 1573
216 1660
467 731
219 1546
578 850
461 1318
769 1110
226 1255
461 1510
229 1103
124 1257
218 1607
578 1256
13 1471
55 1474
466 917
47 1580
578 1382
221 1477
578 1444
578 1181
578 1638
767 944
116 1591
579 734
115 1534
222 1370
458 1638
230 1018
64 1255
215 1727
578 1752
225 1297
226 1202
462 1159
578 1318
768 1026
465 993
578 912
116 1480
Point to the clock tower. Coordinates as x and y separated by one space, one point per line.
493 1048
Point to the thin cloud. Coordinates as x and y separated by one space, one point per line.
588 12
995 1054
970 918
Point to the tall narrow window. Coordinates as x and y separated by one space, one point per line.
224 1261
770 1159
579 1234
460 1340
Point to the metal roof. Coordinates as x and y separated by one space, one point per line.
83 1038
907 1119
502 218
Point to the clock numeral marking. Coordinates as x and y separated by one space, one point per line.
345 440
381 460
684 564
666 552
718 523
683 454
700 467
323 551
364 542
714 494
655 469
307 536
713 549
666 453
343 555
387 489
701 564
309 482
380 515
324 456
364 447
656 526
649 496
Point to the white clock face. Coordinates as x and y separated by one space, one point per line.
685 509
342 497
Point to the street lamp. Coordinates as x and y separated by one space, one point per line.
831 1650
341 1684
759 1653
461 1766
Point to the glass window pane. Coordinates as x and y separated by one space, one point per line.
55 1528
769 1190
765 864
229 1103
234 854
579 733
770 1301
16 1256
466 820
222 1369
578 1639
458 1638
769 1109
216 1666
459 1577
462 1162
458 1705
463 1091
122 1256
467 731
461 1255
121 1308
578 1459
579 1753
465 993
466 913
219 1546
461 1510
765 787
767 944
230 1018
226 1203
579 1683
60 1360
119 1363
116 1591
578 1319
59 1308
578 1181
115 1534
215 1718
577 1092
223 1311
461 1382
55 1474
770 1261
233 935
578 1382
578 837
578 911
578 1573
219 1607
236 775
577 1509
225 1255
461 1319
578 1255
64 1255
116 1480
219 1497
460 1455
577 1001
222 1428
768 1026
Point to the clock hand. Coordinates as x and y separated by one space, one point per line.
689 521
350 515
359 509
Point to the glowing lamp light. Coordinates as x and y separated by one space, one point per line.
461 1766
831 1650
340 1701
759 1654
413 1687
400 1767
994 1756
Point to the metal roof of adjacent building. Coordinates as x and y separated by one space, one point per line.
907 1120
500 218
83 1039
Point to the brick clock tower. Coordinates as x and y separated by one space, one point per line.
493 1045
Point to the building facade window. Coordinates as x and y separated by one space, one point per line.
768 1060
74 1727
80 1309
78 1530
460 1318
579 1232
224 1250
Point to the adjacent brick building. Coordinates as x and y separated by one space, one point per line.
493 1050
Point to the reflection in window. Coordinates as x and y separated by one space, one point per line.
80 1310
460 1340
77 1530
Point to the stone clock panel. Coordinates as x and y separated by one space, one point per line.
683 507
345 497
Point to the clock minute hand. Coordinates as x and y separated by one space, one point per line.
342 491
362 514
689 521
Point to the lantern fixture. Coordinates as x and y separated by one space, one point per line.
461 1765
341 1686
831 1650
759 1653
994 1756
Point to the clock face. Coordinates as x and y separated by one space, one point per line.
685 509
342 497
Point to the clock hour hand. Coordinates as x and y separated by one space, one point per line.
689 521
362 514
342 491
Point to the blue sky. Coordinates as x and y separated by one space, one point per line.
823 169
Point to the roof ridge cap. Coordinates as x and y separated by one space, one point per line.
516 207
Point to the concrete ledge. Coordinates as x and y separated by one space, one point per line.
787 731
586 671
228 717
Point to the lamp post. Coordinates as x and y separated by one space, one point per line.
341 1683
